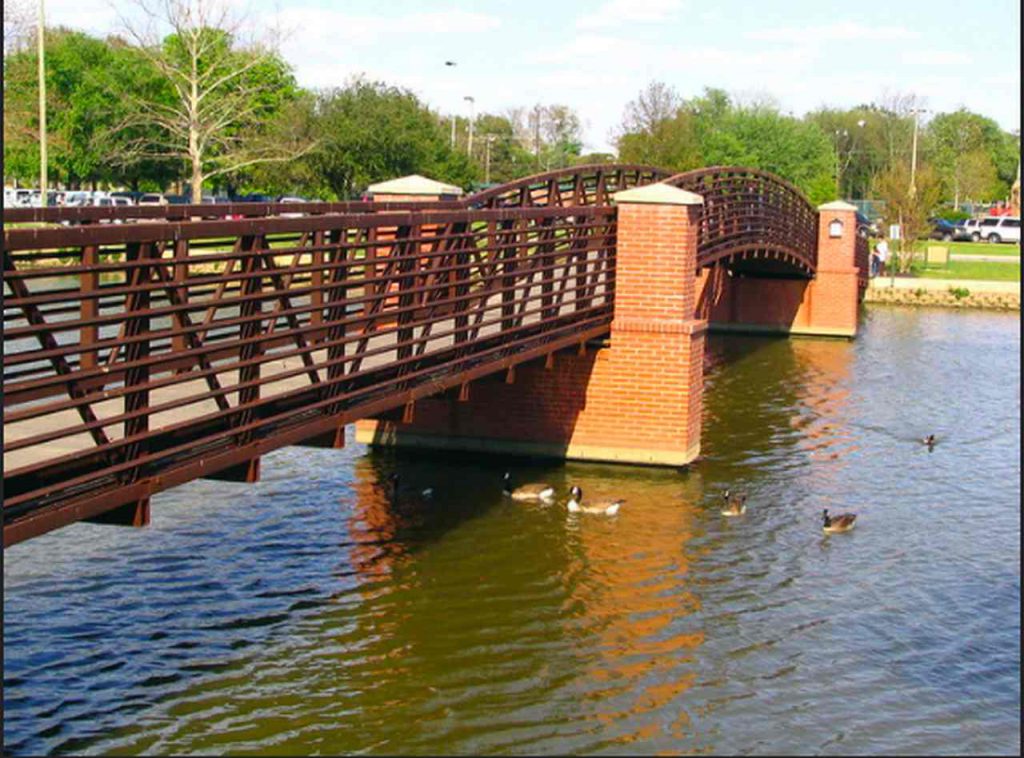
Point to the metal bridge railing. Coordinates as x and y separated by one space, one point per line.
139 356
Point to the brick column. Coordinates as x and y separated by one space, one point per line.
638 399
832 296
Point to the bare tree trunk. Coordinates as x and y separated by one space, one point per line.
197 177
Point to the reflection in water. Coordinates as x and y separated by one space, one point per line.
310 614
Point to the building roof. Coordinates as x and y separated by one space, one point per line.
414 184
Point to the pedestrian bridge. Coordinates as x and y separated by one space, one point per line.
541 317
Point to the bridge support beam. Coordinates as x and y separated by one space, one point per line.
636 398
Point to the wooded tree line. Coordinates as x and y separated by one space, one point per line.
853 153
205 107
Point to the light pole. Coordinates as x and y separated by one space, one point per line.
840 133
487 160
912 191
536 134
42 108
454 117
839 163
469 147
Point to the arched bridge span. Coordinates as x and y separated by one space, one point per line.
753 221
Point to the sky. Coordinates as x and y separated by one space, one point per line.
597 55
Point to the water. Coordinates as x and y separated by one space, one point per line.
305 615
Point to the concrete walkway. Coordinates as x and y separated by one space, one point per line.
986 258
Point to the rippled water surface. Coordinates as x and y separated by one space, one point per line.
305 614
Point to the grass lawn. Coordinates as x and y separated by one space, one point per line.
973 248
992 271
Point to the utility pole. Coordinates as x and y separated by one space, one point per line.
469 146
840 133
913 157
536 134
487 160
454 117
42 108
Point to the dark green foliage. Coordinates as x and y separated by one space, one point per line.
369 131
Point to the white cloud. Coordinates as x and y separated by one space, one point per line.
617 12
586 47
841 30
316 31
935 58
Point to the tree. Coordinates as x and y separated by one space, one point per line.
910 209
370 131
19 22
966 147
508 158
760 137
656 103
657 130
82 106
552 133
562 135
225 93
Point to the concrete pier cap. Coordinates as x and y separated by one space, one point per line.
658 194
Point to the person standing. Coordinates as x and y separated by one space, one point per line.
882 251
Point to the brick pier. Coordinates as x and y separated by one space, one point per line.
635 399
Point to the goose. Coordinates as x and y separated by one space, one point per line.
834 524
532 492
606 507
408 496
735 505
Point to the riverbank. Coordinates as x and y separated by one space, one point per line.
948 293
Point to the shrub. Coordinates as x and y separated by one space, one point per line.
953 215
959 292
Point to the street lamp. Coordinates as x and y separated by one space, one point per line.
469 147
42 108
487 160
913 153
839 166
454 117
839 133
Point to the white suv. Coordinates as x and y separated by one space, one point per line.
999 229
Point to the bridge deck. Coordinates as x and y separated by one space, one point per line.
141 368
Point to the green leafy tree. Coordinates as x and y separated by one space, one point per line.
369 131
966 148
908 204
508 158
760 137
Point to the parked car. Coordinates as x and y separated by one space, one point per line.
291 199
77 199
112 202
177 199
131 196
941 229
968 230
153 198
866 227
1000 229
